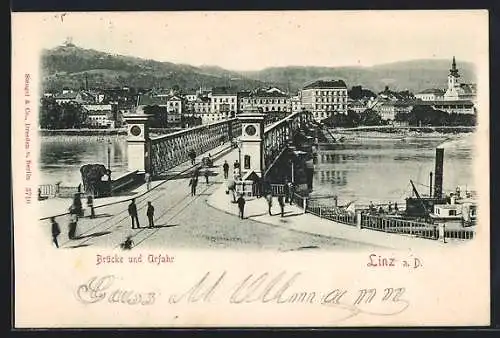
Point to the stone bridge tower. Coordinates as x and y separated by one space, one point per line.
138 142
252 141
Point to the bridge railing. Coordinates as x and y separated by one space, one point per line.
168 151
278 134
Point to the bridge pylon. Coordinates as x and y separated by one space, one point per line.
138 141
252 142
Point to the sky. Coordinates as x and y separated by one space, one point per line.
246 41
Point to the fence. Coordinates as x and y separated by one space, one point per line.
245 188
331 213
48 190
400 226
278 189
380 223
56 190
458 234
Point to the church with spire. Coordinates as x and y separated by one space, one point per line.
456 89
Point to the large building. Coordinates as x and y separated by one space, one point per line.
82 97
224 103
201 108
100 115
295 104
173 103
389 109
432 94
324 98
271 100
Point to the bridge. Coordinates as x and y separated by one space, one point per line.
261 141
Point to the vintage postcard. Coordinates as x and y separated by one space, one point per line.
251 169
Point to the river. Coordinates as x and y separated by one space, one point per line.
361 170
62 156
380 170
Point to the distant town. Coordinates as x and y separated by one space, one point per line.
331 102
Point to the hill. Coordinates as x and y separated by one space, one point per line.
414 75
68 65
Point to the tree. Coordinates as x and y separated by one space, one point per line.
160 116
61 116
426 115
355 93
358 92
370 118
349 120
72 115
49 113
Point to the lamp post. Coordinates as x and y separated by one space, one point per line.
238 144
109 154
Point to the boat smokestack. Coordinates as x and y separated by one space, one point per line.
438 173
430 184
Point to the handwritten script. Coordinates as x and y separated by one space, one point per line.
261 288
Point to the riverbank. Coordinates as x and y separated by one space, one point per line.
83 132
102 132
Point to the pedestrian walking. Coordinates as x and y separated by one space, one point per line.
396 209
55 231
73 220
77 204
281 202
192 156
132 211
193 182
390 207
241 206
147 179
286 190
291 191
269 199
206 176
150 213
196 172
90 205
231 188
225 166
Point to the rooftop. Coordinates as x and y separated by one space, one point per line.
445 103
223 91
263 93
436 91
324 84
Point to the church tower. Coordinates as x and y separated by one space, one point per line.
453 77
452 93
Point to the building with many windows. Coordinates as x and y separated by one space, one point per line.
224 103
432 94
100 115
389 109
457 106
82 97
324 98
174 105
201 108
272 100
295 104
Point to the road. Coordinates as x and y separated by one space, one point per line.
185 221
